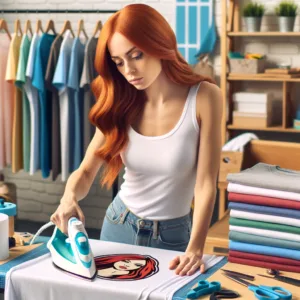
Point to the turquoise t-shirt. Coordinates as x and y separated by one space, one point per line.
75 71
20 81
40 66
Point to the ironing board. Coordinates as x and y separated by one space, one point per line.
41 250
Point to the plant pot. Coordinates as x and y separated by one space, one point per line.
286 24
253 23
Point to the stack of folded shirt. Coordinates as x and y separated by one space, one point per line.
264 224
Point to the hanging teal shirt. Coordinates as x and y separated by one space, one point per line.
75 71
40 66
20 81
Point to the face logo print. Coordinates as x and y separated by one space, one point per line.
120 267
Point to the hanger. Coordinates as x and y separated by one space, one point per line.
38 26
3 26
28 27
98 27
67 26
81 29
50 26
18 27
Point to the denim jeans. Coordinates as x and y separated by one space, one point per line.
122 226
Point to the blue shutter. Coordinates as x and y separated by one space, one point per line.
194 19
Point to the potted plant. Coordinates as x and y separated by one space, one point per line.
253 13
286 12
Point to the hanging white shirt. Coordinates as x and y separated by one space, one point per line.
32 95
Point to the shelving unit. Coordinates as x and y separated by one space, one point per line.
263 33
230 32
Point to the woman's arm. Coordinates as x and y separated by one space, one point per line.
78 185
209 101
80 181
209 105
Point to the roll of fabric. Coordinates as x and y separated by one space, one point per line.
264 264
264 241
268 176
263 200
264 218
264 225
251 190
266 258
265 250
266 233
281 212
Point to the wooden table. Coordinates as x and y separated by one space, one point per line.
244 292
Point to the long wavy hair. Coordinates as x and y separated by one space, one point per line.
118 103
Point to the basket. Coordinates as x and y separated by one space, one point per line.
247 66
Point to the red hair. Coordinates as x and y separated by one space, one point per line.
108 261
119 103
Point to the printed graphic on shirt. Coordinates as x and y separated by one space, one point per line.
126 266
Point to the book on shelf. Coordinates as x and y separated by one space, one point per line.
282 71
265 75
252 97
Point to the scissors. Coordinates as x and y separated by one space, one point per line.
214 287
263 292
204 288
278 277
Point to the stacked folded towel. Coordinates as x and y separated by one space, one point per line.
264 224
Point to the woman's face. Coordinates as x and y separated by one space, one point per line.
128 265
132 63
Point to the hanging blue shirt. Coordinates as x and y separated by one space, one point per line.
38 81
75 71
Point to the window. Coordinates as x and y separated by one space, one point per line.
193 19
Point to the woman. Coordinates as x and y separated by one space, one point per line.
160 119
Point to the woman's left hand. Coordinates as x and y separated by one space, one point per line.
187 264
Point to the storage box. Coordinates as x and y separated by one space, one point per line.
247 66
257 120
256 109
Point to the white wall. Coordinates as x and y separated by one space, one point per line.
37 197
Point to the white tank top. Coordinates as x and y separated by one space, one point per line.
160 171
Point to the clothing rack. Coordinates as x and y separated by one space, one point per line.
115 186
56 11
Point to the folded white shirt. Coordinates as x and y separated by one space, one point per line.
264 218
267 233
245 189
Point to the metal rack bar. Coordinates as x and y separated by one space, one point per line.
56 11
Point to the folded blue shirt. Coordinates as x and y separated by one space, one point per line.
269 210
266 250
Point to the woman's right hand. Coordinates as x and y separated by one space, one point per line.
67 208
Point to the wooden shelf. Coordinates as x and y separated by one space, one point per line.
264 33
273 128
252 77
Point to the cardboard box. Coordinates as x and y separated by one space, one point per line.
247 66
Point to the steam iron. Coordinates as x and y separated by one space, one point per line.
73 254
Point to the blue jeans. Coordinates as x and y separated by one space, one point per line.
122 226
